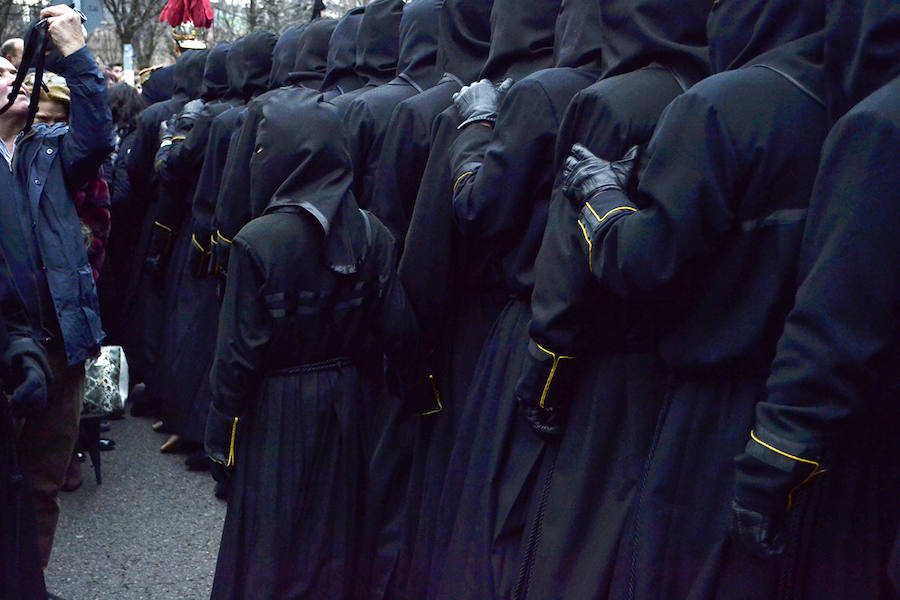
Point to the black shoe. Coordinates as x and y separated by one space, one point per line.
197 461
104 426
107 444
53 596
222 490
80 456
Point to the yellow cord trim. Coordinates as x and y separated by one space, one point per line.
230 461
587 238
178 137
196 243
817 468
556 359
222 237
437 398
158 224
455 185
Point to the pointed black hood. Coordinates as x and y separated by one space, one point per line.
578 40
465 38
342 54
521 38
283 55
256 62
160 85
311 59
862 50
418 43
639 32
378 42
234 68
215 75
189 73
302 162
784 35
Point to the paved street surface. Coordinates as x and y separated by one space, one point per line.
149 532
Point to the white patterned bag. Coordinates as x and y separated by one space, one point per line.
106 383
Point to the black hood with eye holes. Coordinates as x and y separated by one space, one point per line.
283 55
311 59
862 50
215 75
340 74
256 61
521 38
418 42
578 40
465 38
639 32
378 42
302 162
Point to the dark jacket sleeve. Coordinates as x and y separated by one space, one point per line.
363 149
496 173
233 209
90 137
244 332
839 345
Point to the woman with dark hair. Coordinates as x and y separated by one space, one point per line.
126 104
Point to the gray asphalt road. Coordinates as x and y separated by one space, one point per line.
149 532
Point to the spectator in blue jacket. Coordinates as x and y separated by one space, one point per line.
43 251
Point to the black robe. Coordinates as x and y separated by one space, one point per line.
194 306
464 42
832 389
502 184
311 290
340 76
311 59
377 50
141 300
431 270
711 240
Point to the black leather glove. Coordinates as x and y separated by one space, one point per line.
28 376
185 120
166 131
480 101
544 389
586 175
199 254
159 248
221 253
767 475
219 442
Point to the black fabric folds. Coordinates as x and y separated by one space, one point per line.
418 43
521 38
283 55
465 37
311 172
862 50
311 59
578 40
340 75
234 68
256 58
638 32
378 42
215 74
189 73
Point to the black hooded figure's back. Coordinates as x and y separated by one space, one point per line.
311 58
463 45
283 55
652 51
340 77
368 115
377 49
724 181
192 305
311 285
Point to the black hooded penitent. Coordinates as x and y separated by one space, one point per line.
283 55
215 73
463 46
340 77
368 115
311 59
725 179
309 283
